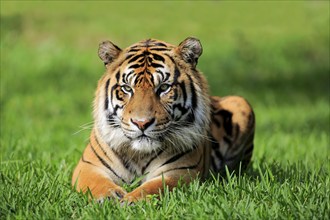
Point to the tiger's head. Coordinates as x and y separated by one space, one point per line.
152 97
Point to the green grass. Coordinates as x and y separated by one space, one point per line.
276 54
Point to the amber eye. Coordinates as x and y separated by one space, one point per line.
164 88
126 89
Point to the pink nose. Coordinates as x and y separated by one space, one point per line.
144 123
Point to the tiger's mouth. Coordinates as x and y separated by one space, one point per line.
145 143
144 137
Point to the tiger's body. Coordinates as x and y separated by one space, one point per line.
154 117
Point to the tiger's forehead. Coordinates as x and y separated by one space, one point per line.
152 44
147 61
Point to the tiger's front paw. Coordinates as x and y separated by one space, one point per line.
112 194
133 197
130 199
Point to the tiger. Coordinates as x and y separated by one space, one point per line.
154 119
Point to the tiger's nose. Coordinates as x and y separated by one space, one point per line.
144 123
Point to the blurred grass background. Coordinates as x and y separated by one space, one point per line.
275 53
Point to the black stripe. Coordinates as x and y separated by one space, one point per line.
141 59
116 47
156 65
134 58
218 154
153 158
146 52
140 73
167 76
216 148
215 144
184 92
213 164
152 79
137 79
125 163
99 145
106 104
130 55
128 75
85 161
171 58
186 167
237 156
191 117
182 109
117 76
159 44
160 49
227 120
234 157
134 50
124 78
105 164
227 140
113 88
176 157
118 97
111 121
193 93
216 122
162 75
135 66
249 150
116 108
176 69
157 57
176 74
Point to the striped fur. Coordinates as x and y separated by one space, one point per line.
154 117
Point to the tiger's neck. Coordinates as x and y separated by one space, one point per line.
134 161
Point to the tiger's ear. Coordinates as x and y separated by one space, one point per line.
108 52
190 50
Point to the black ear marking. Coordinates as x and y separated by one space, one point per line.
191 49
108 52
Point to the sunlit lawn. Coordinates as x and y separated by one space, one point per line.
276 54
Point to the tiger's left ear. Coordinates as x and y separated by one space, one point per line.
190 50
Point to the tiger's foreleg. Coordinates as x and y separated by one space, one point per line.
157 185
172 171
91 175
97 182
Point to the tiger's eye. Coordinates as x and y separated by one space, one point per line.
126 89
164 87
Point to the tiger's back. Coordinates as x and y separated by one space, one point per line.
154 117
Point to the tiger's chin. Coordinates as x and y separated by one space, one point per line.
145 144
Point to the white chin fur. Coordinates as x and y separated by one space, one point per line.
145 146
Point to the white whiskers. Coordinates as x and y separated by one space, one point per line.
83 127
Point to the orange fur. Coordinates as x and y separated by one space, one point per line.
154 118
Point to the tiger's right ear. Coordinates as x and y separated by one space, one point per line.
108 52
190 50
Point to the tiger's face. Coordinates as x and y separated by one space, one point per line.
152 97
